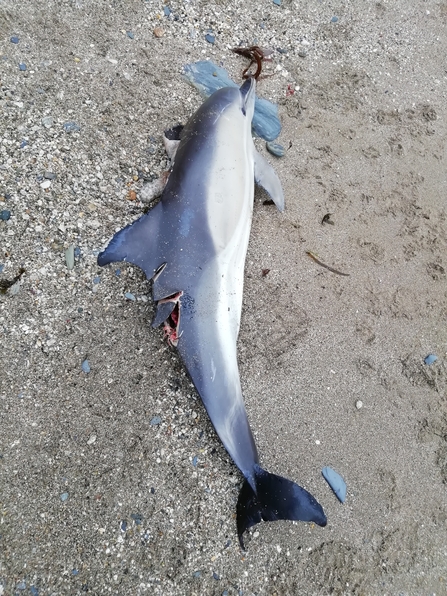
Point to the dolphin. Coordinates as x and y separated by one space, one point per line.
192 245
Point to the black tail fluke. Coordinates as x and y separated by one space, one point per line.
275 498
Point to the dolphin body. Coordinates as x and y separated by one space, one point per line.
193 244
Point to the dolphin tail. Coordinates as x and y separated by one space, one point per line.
275 498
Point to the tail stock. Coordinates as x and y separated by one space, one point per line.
275 498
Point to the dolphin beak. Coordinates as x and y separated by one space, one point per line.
248 92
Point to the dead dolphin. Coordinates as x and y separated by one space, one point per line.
193 244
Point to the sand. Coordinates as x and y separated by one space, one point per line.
94 498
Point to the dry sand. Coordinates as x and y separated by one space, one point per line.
93 498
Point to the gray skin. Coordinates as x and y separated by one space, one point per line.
193 245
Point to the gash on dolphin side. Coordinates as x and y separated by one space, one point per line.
193 244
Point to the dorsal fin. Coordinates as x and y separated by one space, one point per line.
137 243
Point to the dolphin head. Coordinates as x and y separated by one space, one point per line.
248 95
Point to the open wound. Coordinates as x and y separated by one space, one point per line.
171 324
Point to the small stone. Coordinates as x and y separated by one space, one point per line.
430 359
123 526
45 184
23 144
277 2
49 175
2 267
131 195
158 32
167 11
302 53
197 574
130 35
334 19
195 459
22 66
275 148
69 257
64 497
74 572
5 214
129 296
137 518
359 404
14 39
91 440
215 576
85 366
34 591
21 585
117 272
97 280
155 421
210 38
77 252
71 127
47 121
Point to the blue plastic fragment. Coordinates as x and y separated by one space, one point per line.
71 127
129 296
430 359
210 38
1 267
5 214
123 525
14 39
195 459
197 574
74 572
336 482
130 35
22 66
77 252
117 272
334 19
216 576
85 366
64 497
155 420
207 78
34 591
167 11
137 518
96 280
21 585
23 144
277 2
275 148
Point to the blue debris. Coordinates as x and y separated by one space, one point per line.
197 573
77 252
64 497
71 127
430 359
195 459
22 66
155 420
207 78
137 518
2 267
5 214
85 366
34 591
129 296
216 577
14 39
277 2
210 38
74 572
21 585
123 526
130 35
96 280
69 257
23 144
334 19
336 482
167 11
275 148
117 272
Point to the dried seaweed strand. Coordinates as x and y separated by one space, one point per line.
317 260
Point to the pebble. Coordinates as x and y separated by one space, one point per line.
77 252
2 267
14 39
129 296
131 195
96 280
275 148
123 526
158 32
22 66
216 577
117 272
45 184
210 38
359 404
85 366
21 586
71 127
64 497
49 175
47 121
334 19
137 518
91 440
197 574
130 35
167 11
34 591
430 359
195 459
302 53
336 482
23 144
277 2
155 420
5 214
69 257
74 572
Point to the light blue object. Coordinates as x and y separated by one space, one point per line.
275 148
22 66
129 296
336 482
210 38
207 78
85 366
155 421
430 359
64 497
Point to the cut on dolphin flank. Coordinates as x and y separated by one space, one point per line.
193 245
